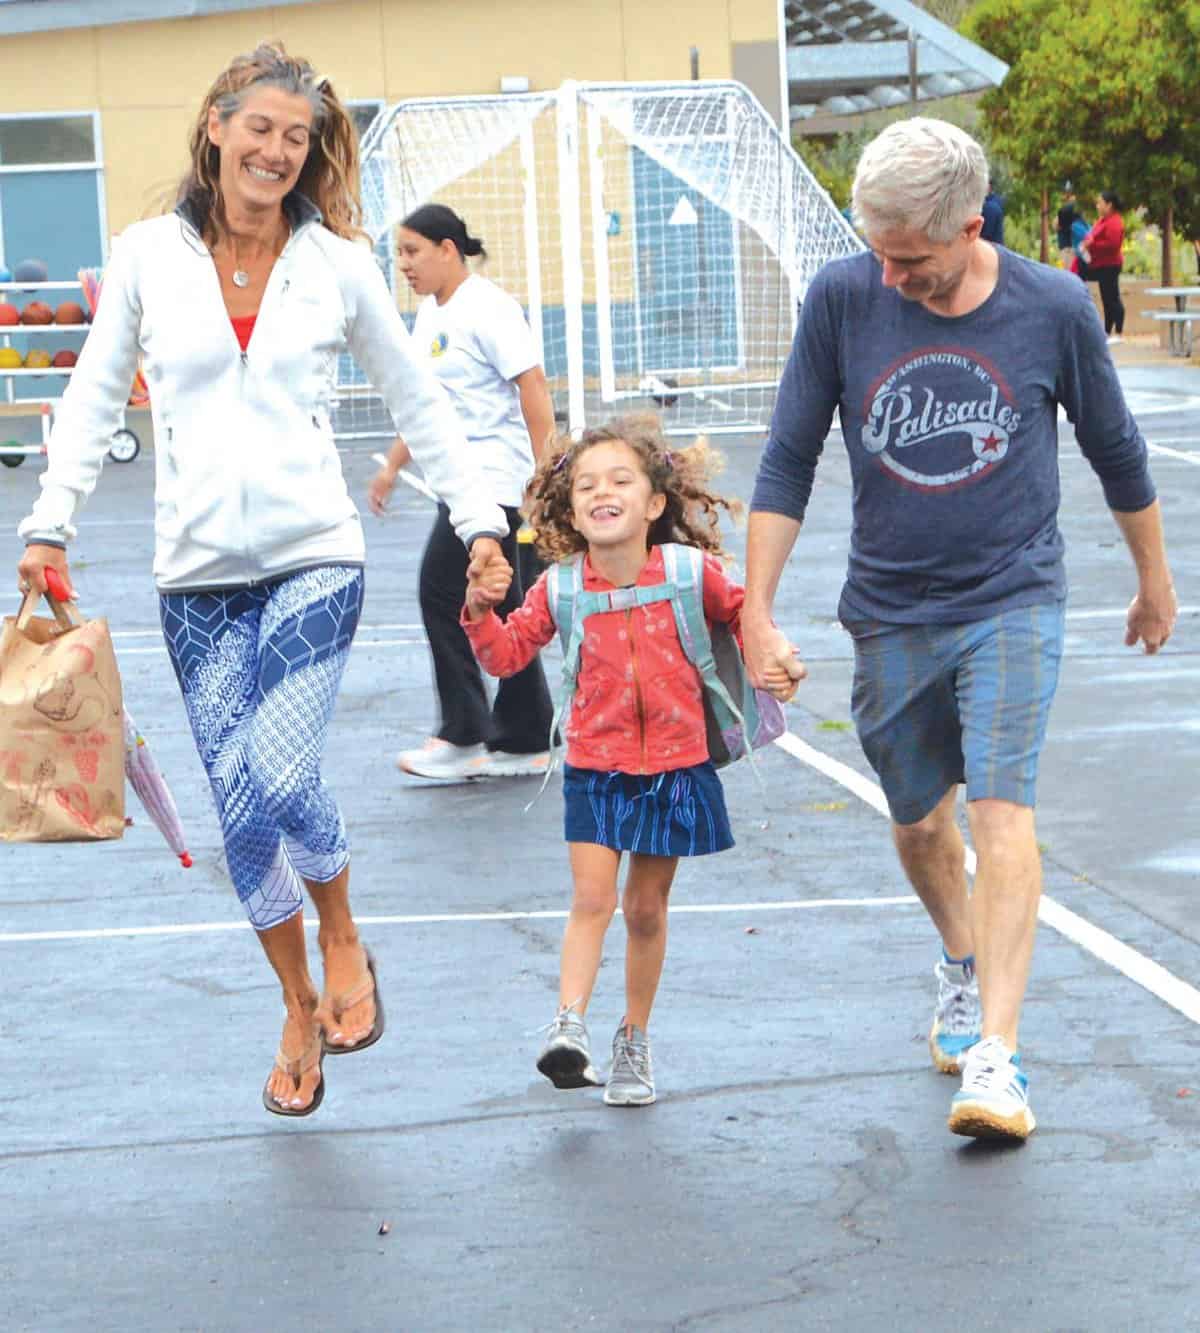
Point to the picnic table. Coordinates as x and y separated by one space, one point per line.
1178 321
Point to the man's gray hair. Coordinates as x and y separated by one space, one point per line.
921 175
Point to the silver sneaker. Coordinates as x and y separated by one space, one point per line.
631 1079
958 1018
439 759
566 1058
501 764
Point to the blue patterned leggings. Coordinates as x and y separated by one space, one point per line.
259 669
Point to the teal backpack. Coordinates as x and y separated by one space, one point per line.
738 718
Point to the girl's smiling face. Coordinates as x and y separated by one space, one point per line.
612 503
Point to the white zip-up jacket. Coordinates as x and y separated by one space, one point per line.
248 484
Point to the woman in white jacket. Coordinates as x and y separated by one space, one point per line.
239 303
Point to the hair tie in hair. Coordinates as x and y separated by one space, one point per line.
562 462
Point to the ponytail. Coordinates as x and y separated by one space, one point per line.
437 223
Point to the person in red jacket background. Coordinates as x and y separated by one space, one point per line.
638 776
1102 254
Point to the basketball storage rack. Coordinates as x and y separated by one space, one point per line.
125 445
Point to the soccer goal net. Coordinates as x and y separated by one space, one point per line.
659 236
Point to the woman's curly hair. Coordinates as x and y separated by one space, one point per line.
692 512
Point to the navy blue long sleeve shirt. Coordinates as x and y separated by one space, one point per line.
951 425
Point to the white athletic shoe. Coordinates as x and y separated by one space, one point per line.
439 759
958 1018
1114 338
501 764
993 1102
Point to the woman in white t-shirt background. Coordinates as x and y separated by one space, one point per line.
481 348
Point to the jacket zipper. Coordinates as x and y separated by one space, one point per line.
250 564
639 706
243 356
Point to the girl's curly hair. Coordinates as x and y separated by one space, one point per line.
692 512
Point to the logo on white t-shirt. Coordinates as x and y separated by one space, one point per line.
439 345
940 418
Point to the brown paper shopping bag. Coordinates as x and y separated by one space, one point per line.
62 752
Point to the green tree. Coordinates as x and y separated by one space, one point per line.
1107 97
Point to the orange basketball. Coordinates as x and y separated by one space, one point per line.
9 314
37 312
69 312
65 358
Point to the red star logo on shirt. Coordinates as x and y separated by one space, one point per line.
990 443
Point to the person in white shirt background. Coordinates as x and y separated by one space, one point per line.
233 301
481 348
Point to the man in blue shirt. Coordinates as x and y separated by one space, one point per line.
947 359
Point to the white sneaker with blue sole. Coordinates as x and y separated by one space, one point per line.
993 1102
958 1018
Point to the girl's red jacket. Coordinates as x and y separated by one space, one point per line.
638 705
1104 242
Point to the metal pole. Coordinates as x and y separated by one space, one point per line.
572 248
912 66
694 57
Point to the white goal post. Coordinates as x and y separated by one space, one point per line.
659 236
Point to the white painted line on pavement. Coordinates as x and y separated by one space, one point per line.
1137 967
448 918
157 633
358 643
1118 613
1157 409
1173 453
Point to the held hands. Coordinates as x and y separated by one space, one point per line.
31 568
771 660
488 577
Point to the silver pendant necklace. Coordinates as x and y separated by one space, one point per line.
241 278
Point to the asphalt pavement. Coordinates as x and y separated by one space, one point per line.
796 1172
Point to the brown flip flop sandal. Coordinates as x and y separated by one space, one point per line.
338 1005
314 1054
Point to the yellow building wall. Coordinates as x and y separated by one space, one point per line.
148 79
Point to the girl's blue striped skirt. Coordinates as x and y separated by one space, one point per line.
679 813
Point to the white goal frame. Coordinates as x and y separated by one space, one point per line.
564 162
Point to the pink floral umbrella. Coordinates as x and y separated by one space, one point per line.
147 780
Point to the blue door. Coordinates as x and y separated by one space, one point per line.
686 274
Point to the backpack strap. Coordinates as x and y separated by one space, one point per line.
564 584
684 567
685 570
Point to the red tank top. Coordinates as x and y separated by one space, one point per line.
243 327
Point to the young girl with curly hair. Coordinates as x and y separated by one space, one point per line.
638 778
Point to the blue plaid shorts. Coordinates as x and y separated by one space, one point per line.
937 705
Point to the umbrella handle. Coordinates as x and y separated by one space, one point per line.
55 584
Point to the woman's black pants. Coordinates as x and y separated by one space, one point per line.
518 722
1110 298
